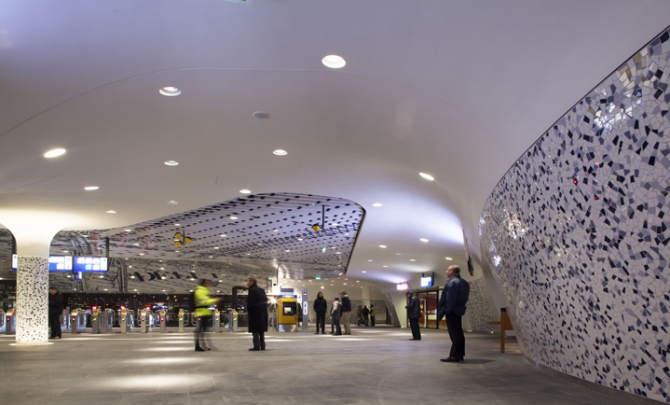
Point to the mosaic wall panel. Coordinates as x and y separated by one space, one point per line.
578 232
481 309
32 303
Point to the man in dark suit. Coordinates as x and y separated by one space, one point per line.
346 312
257 305
413 314
55 311
452 306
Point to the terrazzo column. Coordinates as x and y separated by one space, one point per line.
32 303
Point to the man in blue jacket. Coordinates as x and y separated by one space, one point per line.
452 305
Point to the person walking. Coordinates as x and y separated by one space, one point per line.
203 315
452 305
257 305
320 306
335 314
366 316
372 315
413 314
346 312
55 311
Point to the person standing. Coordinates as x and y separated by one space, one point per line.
452 305
335 314
372 315
413 314
202 314
257 305
55 311
320 307
346 312
366 316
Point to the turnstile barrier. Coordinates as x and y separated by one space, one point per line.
3 322
78 321
10 322
183 317
145 322
232 321
64 321
162 320
216 321
97 319
125 320
108 322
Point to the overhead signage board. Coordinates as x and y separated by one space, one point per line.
88 264
402 286
60 263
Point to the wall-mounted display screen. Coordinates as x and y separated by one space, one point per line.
427 281
60 263
88 264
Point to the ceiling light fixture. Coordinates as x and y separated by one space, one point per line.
377 204
91 188
427 176
364 271
412 260
424 240
110 212
54 153
448 258
233 218
223 235
280 152
382 246
128 230
245 191
177 224
261 115
333 61
170 91
173 202
171 163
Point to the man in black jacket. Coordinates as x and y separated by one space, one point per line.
452 306
346 312
257 305
55 311
413 314
320 307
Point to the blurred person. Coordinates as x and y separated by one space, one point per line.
413 314
202 313
320 306
346 312
56 304
366 316
335 315
372 315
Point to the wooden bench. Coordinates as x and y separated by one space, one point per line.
505 324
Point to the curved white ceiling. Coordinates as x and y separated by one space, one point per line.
457 89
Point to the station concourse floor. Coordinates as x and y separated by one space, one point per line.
372 366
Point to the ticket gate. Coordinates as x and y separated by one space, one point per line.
183 315
144 320
10 322
216 321
77 321
3 322
96 321
232 321
64 321
162 321
125 322
108 321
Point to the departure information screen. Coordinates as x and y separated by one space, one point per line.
60 263
87 264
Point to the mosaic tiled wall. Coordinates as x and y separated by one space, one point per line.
32 303
578 232
481 309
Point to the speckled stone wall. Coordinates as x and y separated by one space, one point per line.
577 233
32 302
481 309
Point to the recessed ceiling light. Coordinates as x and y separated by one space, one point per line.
357 281
338 253
128 230
261 115
54 153
223 235
377 204
141 254
287 250
382 246
133 277
173 202
136 244
233 218
171 163
384 266
369 260
177 224
176 251
333 61
245 191
64 251
300 239
170 91
275 230
412 260
448 258
280 152
364 271
91 188
110 212
427 176
424 240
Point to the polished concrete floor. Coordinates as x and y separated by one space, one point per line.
373 366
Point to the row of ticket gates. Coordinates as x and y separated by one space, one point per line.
104 321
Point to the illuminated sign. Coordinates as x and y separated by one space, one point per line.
402 286
15 262
90 264
427 281
60 263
